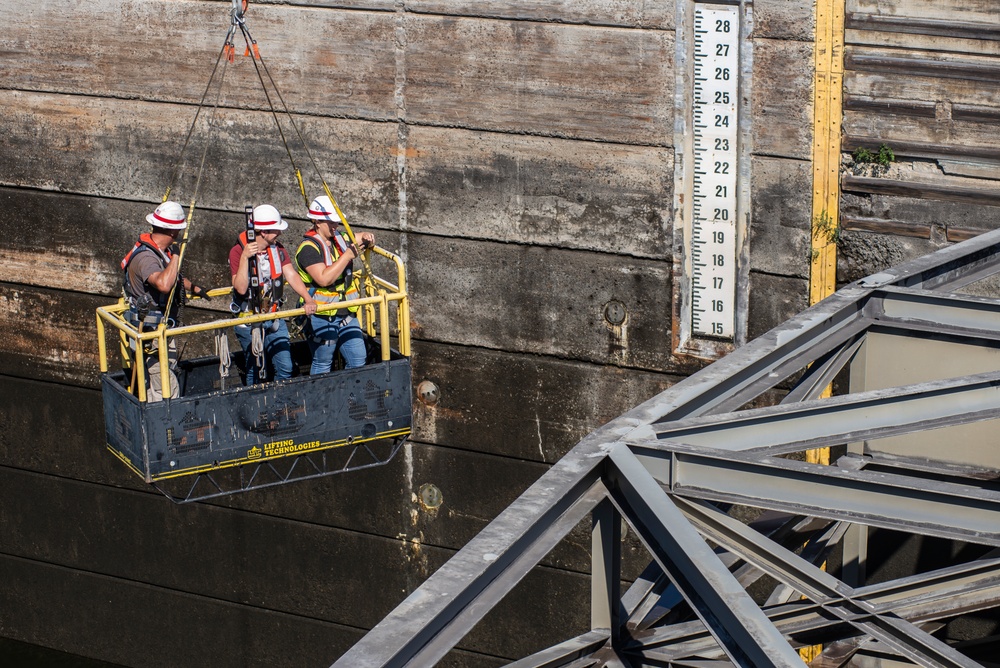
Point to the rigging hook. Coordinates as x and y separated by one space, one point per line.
239 8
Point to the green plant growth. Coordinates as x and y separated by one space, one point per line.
825 229
882 157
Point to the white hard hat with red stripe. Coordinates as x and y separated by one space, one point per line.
267 219
322 209
169 215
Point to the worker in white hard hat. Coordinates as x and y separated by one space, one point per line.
324 262
150 272
268 260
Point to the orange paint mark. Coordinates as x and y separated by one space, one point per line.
408 152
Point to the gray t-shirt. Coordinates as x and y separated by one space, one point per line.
143 265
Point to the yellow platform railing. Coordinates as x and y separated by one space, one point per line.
375 309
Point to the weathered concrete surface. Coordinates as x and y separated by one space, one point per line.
164 51
473 472
862 254
779 19
130 150
592 83
266 556
577 397
527 298
773 300
541 191
782 208
629 13
782 114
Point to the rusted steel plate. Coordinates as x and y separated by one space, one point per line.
950 190
918 214
880 73
971 11
885 226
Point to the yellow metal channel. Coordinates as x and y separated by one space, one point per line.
828 111
828 106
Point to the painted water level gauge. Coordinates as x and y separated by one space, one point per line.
711 140
716 124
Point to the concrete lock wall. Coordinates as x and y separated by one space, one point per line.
521 157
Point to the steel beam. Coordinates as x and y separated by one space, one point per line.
958 315
949 268
425 626
766 361
819 586
637 456
924 598
850 418
890 501
565 653
606 571
737 623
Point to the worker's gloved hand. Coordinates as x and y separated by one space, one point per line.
200 292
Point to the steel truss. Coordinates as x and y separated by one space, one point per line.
671 466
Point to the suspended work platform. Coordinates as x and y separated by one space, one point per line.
221 437
218 436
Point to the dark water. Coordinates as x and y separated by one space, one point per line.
14 654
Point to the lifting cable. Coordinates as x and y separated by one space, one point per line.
226 48
227 55
253 51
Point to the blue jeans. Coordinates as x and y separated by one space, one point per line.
277 350
329 334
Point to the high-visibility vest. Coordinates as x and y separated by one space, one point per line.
269 271
342 289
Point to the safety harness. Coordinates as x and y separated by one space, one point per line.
272 286
151 305
344 288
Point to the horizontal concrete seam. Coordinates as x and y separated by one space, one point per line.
476 16
562 358
387 119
